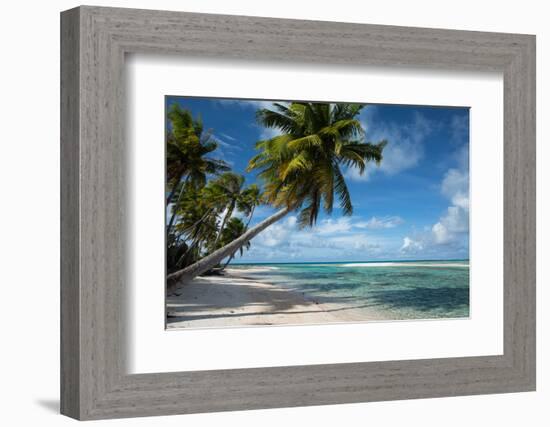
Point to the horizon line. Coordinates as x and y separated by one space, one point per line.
347 262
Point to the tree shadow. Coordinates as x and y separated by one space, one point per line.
225 297
206 299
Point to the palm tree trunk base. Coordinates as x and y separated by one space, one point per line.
173 283
218 255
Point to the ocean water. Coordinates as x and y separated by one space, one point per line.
398 290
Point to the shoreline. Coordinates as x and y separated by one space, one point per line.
234 300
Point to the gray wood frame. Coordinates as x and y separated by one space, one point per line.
94 383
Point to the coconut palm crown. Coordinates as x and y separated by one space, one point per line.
187 150
302 167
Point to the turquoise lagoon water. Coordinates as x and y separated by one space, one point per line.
400 289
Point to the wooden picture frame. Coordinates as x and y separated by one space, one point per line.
94 382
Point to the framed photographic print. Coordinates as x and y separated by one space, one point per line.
292 224
262 213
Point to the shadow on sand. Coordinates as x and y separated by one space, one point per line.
216 299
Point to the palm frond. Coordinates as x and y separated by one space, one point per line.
305 143
273 119
301 167
298 164
341 189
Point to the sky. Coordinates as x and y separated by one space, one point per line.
414 206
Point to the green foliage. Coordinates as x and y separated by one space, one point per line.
187 149
204 221
203 215
188 166
235 228
301 168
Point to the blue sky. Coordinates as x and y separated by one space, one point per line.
415 205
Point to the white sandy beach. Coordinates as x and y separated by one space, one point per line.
234 300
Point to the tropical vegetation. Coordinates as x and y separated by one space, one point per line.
301 170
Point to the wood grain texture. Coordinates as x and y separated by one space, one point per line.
94 271
70 297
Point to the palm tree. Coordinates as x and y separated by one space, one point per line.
196 226
301 168
187 147
229 186
235 228
251 198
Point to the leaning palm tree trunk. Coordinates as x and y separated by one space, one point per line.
206 263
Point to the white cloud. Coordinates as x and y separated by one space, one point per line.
276 234
441 235
455 184
411 246
226 136
329 226
232 145
250 103
450 226
347 224
405 146
268 133
451 231
264 104
456 220
358 242
331 239
400 156
454 224
379 223
354 174
462 201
